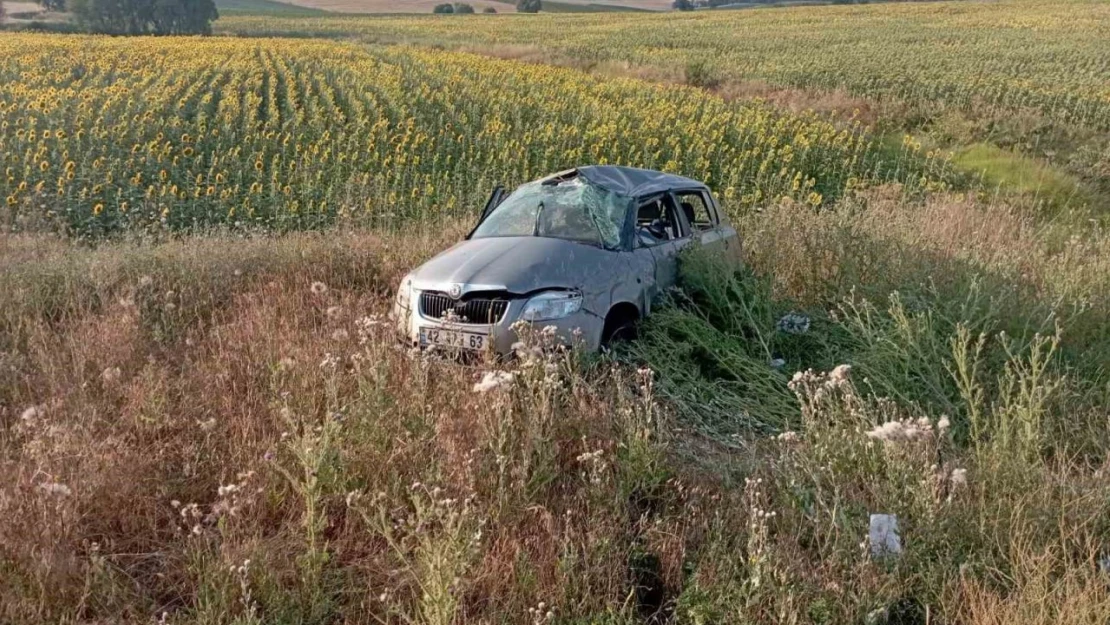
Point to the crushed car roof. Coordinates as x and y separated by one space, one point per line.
635 182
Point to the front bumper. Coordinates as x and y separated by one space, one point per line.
581 328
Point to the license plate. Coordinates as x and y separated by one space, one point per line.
453 338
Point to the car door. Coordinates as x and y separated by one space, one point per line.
665 244
706 223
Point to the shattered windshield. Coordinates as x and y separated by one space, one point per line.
572 209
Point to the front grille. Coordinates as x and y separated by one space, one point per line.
473 308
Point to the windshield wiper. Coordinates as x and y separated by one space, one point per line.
536 226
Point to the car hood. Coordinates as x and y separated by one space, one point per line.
519 265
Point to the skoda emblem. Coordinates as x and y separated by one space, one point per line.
455 291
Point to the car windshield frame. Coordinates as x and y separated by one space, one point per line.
571 209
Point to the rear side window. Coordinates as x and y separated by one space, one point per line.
697 210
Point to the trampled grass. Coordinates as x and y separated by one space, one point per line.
889 286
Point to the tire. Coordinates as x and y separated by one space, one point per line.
619 328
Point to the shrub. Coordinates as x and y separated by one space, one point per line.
699 73
529 6
462 7
489 10
444 8
683 5
53 5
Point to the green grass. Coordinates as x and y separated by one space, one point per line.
1011 171
264 7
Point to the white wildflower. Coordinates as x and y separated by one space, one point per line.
494 380
777 363
333 311
840 373
353 497
340 335
943 424
318 288
146 281
30 414
207 425
788 437
906 430
54 488
110 375
368 322
590 456
959 477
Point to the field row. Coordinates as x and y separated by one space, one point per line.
1015 55
98 134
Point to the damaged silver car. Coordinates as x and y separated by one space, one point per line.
585 250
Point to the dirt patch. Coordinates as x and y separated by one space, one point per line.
835 103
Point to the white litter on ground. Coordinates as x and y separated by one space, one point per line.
883 536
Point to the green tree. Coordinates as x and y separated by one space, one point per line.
53 5
683 5
462 7
143 17
489 10
528 6
444 8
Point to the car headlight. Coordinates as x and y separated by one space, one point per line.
552 305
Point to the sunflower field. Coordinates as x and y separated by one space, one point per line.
1013 56
101 135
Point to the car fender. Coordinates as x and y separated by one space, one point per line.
635 285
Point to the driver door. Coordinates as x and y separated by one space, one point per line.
662 232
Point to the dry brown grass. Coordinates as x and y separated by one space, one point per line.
137 383
878 241
369 484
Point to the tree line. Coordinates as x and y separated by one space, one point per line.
138 17
522 6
